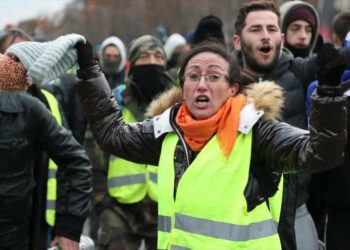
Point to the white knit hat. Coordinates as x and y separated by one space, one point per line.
172 42
48 60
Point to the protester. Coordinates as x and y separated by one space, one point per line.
112 59
332 209
174 47
125 197
27 128
300 24
12 36
259 39
208 130
209 28
340 29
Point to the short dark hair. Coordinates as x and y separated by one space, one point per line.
341 24
234 75
248 7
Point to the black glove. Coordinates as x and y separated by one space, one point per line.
330 66
85 55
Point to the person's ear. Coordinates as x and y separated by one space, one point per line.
237 42
234 88
283 39
336 40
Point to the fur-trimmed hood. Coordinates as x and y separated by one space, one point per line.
266 96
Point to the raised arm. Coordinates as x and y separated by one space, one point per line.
135 142
288 149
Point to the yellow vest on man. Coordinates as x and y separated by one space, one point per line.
51 181
130 182
210 210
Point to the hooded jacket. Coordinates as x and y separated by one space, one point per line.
115 41
281 147
288 7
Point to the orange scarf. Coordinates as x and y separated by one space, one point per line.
224 123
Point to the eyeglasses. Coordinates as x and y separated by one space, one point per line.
211 77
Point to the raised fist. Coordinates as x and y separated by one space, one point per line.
330 66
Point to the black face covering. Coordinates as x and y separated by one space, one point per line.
111 65
298 52
148 81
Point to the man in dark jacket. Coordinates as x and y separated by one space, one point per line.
43 193
27 127
258 37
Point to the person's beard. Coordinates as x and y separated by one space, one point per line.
251 62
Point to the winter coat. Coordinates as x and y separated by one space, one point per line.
294 76
281 148
27 129
63 88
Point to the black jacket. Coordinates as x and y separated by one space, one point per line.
26 129
282 148
294 75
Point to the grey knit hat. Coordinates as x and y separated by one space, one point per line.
48 60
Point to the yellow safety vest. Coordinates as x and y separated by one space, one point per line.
51 181
210 210
129 182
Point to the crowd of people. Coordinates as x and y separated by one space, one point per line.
194 143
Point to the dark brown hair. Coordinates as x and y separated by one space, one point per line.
234 75
341 24
248 7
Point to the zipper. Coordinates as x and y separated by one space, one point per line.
177 131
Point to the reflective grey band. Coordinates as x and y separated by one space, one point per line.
153 177
126 180
226 231
174 247
51 204
164 223
52 173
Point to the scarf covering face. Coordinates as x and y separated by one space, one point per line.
148 81
13 75
224 123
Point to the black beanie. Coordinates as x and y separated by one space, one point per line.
209 28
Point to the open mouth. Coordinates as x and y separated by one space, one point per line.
202 100
265 49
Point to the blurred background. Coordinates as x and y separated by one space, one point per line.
128 19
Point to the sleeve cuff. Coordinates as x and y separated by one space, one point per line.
69 226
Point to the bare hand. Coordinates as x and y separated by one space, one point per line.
65 243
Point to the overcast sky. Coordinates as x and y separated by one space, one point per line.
13 11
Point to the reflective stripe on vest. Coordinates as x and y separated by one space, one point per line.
52 182
129 182
210 210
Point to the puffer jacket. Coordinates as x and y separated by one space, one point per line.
283 148
294 76
27 127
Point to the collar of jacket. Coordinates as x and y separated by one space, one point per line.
264 102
